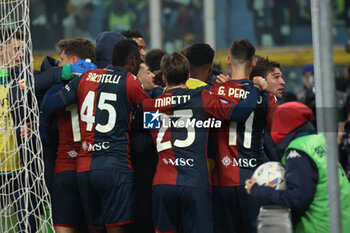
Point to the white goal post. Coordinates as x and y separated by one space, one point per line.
24 198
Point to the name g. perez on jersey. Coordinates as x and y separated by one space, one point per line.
236 93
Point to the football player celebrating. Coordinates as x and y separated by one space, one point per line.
106 99
181 119
239 147
67 210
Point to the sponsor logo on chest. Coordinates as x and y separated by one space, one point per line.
179 162
95 147
241 162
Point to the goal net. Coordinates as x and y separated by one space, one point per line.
24 198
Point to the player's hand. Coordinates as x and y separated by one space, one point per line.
249 184
82 66
26 130
259 83
221 78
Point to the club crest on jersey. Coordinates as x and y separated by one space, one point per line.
21 84
72 154
151 120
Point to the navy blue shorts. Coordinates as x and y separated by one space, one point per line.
234 210
108 198
182 209
67 209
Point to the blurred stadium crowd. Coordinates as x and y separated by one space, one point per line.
266 23
113 36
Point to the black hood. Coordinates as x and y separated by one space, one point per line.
48 63
105 42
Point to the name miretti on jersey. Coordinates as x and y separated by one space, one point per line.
179 119
235 93
171 100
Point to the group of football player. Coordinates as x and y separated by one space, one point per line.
138 141
155 141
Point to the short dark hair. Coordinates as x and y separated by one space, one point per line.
80 47
263 67
131 34
123 51
175 68
10 33
242 50
158 79
200 54
153 57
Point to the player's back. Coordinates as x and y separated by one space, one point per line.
181 138
238 146
105 98
69 138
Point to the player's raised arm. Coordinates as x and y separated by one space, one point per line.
242 110
260 83
235 112
53 99
136 94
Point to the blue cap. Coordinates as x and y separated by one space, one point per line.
307 68
105 42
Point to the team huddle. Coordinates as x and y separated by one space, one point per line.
198 183
184 196
156 142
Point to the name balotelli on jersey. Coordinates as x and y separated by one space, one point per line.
106 99
103 78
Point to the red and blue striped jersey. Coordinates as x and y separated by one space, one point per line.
106 99
184 118
238 146
69 138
